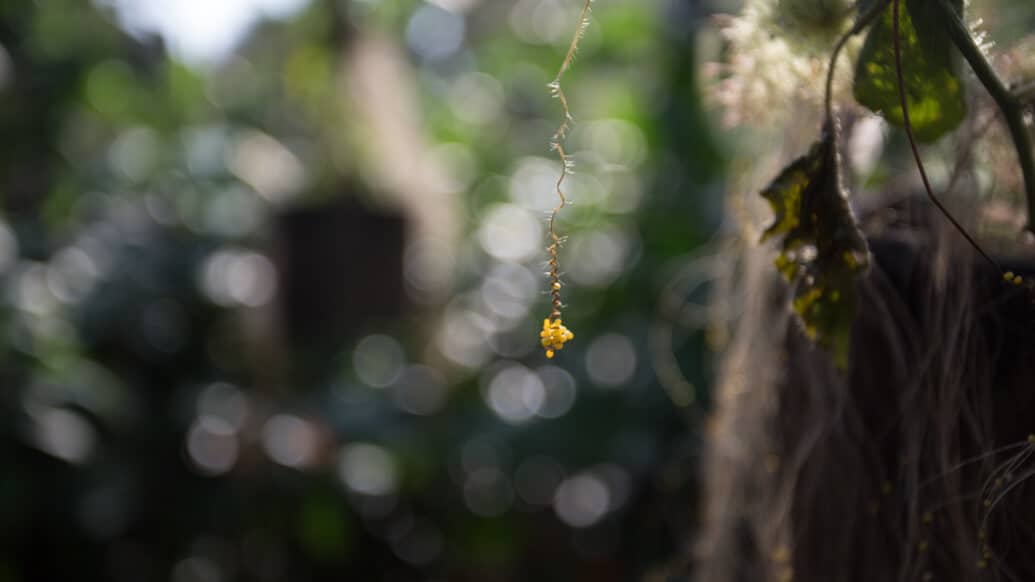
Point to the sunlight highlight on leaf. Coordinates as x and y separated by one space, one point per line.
937 103
822 250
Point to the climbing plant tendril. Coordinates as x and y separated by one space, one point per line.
554 334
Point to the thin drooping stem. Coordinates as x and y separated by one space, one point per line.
900 77
1007 101
557 144
860 25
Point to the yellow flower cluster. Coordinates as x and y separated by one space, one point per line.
1009 277
554 336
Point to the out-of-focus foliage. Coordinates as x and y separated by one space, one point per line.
226 355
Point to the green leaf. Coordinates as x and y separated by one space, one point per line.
930 64
823 250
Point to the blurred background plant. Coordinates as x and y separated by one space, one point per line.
272 277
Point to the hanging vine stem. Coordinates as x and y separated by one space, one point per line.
863 21
554 333
900 77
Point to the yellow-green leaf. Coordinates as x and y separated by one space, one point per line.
930 63
822 250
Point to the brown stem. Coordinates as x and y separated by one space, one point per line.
912 140
557 145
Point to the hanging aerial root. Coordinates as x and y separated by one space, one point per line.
554 334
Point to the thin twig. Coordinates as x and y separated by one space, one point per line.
1009 104
558 145
1024 93
860 25
912 140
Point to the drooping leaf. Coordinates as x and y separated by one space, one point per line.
930 63
822 249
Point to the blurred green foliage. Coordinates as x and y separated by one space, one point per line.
158 423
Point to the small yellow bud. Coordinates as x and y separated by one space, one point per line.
549 354
1012 278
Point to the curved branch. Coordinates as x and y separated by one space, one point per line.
1008 103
